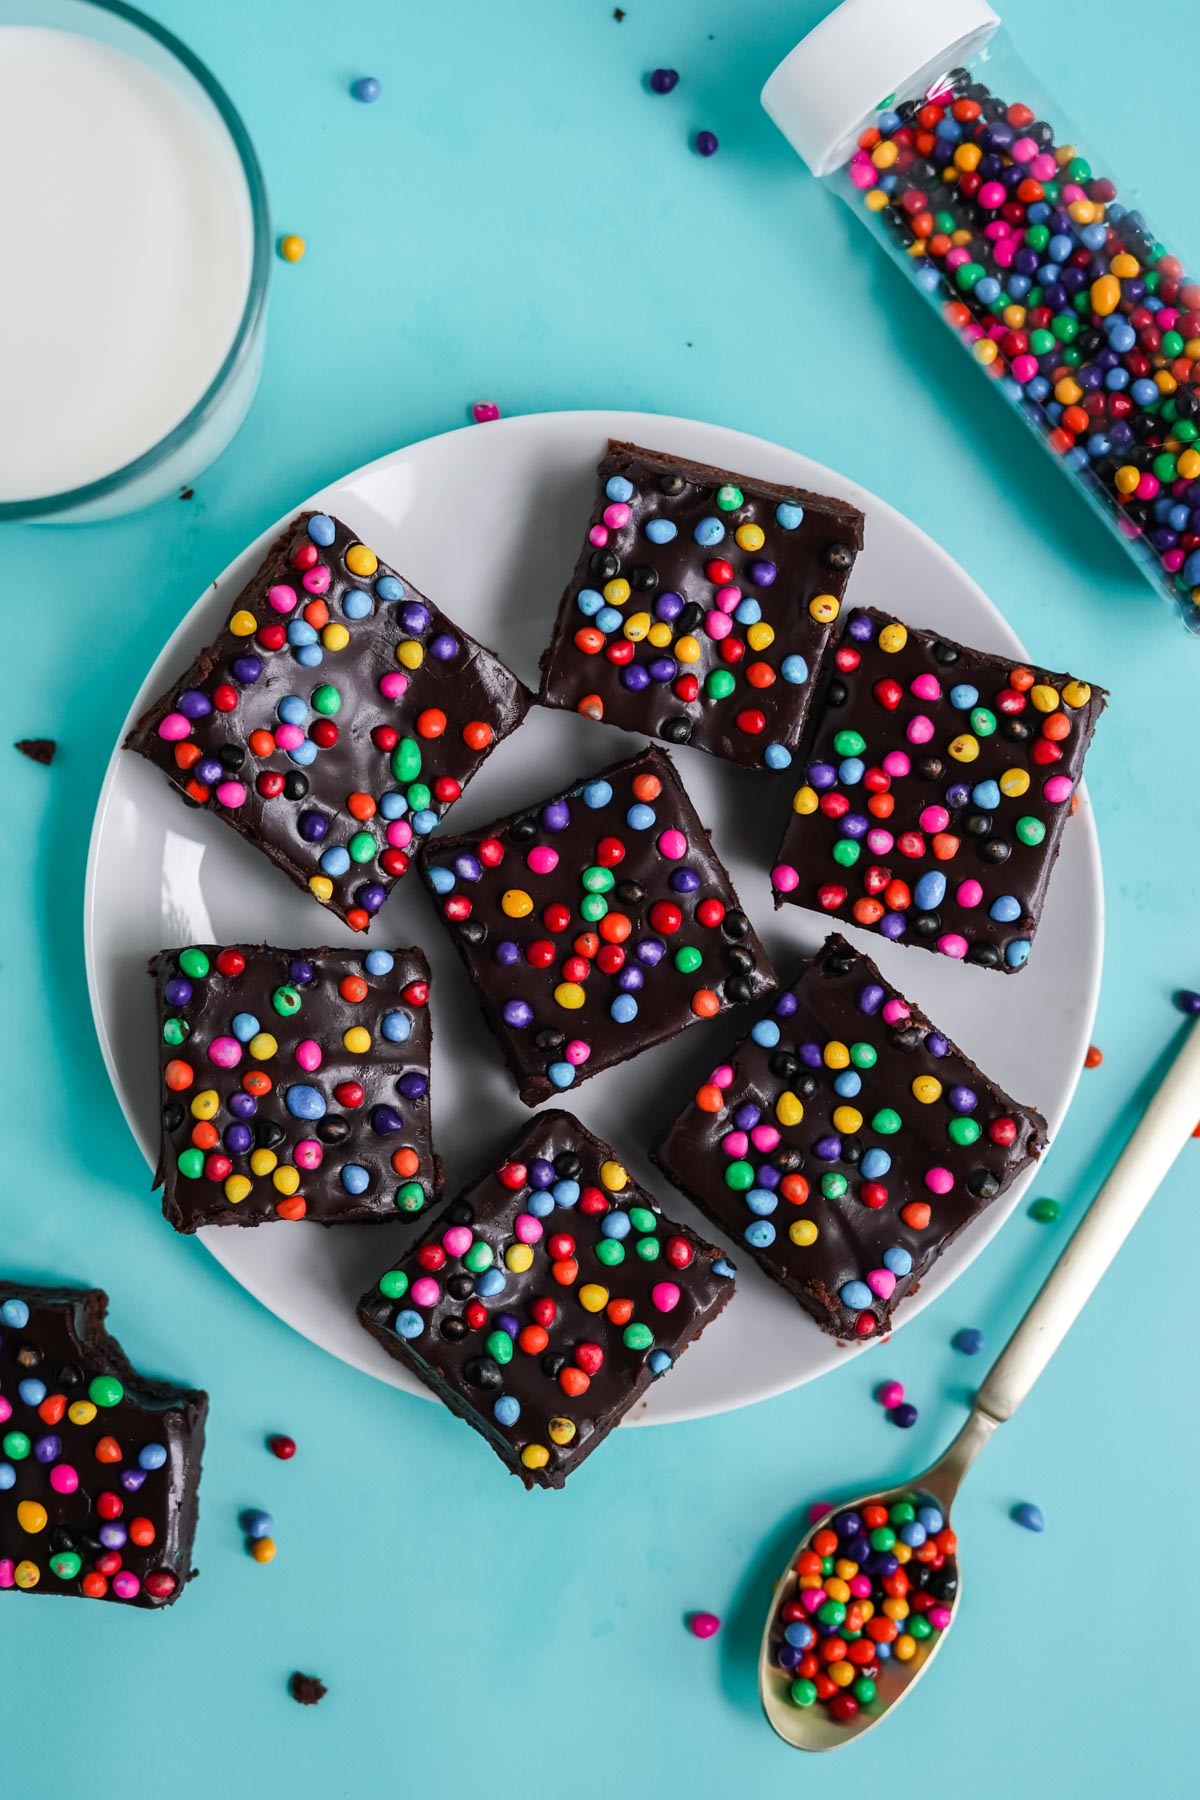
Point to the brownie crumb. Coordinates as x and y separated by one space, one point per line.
186 493
38 750
618 13
307 1689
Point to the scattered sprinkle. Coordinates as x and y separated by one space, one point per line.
1046 1212
292 248
484 410
818 1510
890 1393
1029 1515
367 89
257 1524
38 750
663 80
905 1415
703 1624
1094 1057
707 143
307 1689
282 1447
262 1549
1187 1000
968 1340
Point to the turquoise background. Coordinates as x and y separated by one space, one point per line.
519 219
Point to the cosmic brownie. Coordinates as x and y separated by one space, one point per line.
846 1141
596 924
701 606
543 1302
99 1466
335 719
294 1085
938 782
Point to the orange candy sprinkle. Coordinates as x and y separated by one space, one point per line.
916 1214
262 743
294 1207
565 1270
477 735
360 806
108 1450
186 755
591 706
1094 1057
406 1162
573 1381
705 1004
620 1311
708 1098
256 1082
353 988
178 1075
431 723
647 787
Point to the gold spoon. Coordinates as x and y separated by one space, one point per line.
1159 1136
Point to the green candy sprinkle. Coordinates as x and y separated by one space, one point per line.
883 1538
593 907
637 1337
849 743
175 1030
688 959
864 1056
804 1692
719 685
833 1186
393 1285
918 1627
418 796
597 880
649 1249
479 1257
886 1122
739 1176
1037 237
66 1565
610 1252
642 1219
1065 328
362 847
499 1346
967 274
191 1164
105 1390
964 1131
729 498
326 699
406 760
846 852
863 1690
1046 1212
286 1001
903 1513
832 1613
1030 830
194 963
411 1197
16 1446
983 722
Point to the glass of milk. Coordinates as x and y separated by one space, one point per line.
135 266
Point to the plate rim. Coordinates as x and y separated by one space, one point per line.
601 419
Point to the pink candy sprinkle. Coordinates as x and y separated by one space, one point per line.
717 624
7 1572
309 1054
939 1180
527 1228
126 1584
5 1410
727 598
598 537
819 1509
882 1282
1058 789
953 945
226 1052
577 1051
784 879
765 1138
665 1296
896 763
673 844
316 581
425 1291
879 841
231 794
542 859
457 1240
704 1624
174 728
934 818
288 737
484 410
722 1076
919 729
970 893
894 1011
890 1393
309 1153
399 834
860 1586
63 1478
927 687
392 687
282 598
735 1143
616 515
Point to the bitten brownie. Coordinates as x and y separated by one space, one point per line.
99 1466
937 786
295 1084
335 718
846 1141
596 924
545 1299
701 605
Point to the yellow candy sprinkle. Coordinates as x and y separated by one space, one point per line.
789 1109
1044 698
243 624
31 1516
825 608
515 903
518 1258
1125 266
263 1550
561 1430
895 1609
592 1297
262 1046
1014 317
893 638
960 237
1014 783
81 1412
749 537
659 635
410 654
320 887
884 154
876 200
1126 478
1067 391
613 1176
569 995
291 247
964 748
357 1040
1083 211
335 637
286 1179
1105 295
901 1551
967 156
926 1089
841 1672
803 1233
27 1574
535 1456
687 650
867 1608
263 1161
985 351
616 592
846 1119
844 1569
360 560
805 800
835 1055
904 1648
206 1104
236 1188
636 626
837 1589
1076 693
761 637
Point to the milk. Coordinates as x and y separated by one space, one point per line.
125 265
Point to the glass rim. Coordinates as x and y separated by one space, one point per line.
44 506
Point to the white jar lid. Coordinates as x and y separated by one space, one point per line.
823 93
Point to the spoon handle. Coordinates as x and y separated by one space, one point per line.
1160 1135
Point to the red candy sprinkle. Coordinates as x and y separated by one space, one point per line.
282 1447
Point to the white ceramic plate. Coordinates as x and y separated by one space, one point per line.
488 520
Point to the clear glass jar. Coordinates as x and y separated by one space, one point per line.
163 421
1038 260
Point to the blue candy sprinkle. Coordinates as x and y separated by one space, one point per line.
762 1201
624 1009
608 619
913 1534
1005 908
561 1074
777 756
723 1266
292 709
747 612
789 515
388 588
930 891
1030 1516
304 1102
356 1179
615 1225
301 632
661 531
379 962
506 1410
760 1234
424 821
851 771
440 880
931 1518
799 1634
1016 954
640 817
964 696
396 1027
8 1476
540 1205
304 753
596 794
875 1164
322 530
245 1026
565 1193
968 1340
31 1391
898 1260
14 1313
618 488
794 669
356 604
856 1295
152 1456
335 860
409 1324
986 795
489 1283
589 602
659 1361
847 1084
766 1033
709 532
258 1524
